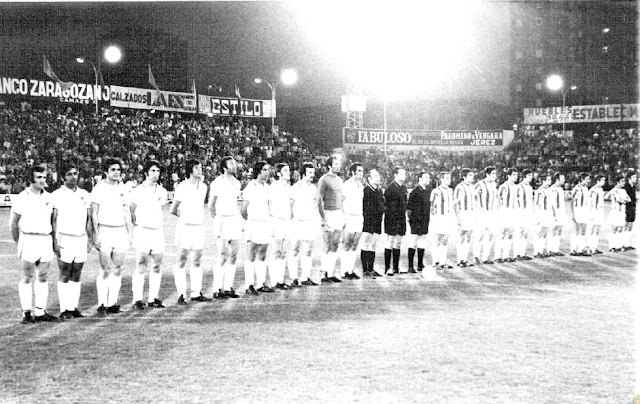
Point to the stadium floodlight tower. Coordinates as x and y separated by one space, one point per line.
556 83
111 54
288 77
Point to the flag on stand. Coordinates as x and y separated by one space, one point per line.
152 81
46 67
238 91
193 87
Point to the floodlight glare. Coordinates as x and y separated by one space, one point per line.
80 60
288 77
112 54
554 82
258 80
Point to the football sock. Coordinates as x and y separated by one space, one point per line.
195 273
331 264
410 255
41 292
229 276
25 293
137 285
261 272
324 260
102 289
396 259
249 273
218 277
387 259
364 259
443 253
435 254
63 296
155 278
486 249
273 272
292 266
74 300
180 279
420 257
305 264
114 282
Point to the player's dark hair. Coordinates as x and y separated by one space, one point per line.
618 177
188 168
329 161
526 172
397 169
223 164
371 171
489 169
257 168
149 164
629 174
510 171
464 172
67 166
303 169
35 169
600 177
543 177
441 174
583 176
109 161
354 167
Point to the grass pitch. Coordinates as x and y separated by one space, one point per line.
558 330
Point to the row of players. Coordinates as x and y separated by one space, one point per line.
69 222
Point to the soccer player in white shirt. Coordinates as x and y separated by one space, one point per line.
147 200
619 199
580 215
507 193
227 226
463 205
544 216
72 231
352 193
486 204
280 211
31 231
441 224
525 215
596 213
188 205
258 231
332 217
559 215
111 220
303 203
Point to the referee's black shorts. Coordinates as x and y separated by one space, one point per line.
372 226
395 227
630 214
419 227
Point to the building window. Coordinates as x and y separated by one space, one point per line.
518 88
538 53
518 55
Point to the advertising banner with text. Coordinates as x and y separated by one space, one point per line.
582 114
234 106
78 93
140 98
431 138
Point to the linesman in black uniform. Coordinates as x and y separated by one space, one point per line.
418 209
395 222
372 210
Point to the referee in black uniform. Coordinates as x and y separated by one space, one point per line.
418 209
630 209
372 210
395 222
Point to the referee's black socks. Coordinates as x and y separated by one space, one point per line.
396 260
411 254
387 259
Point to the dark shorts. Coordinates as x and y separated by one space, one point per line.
419 228
372 226
395 228
630 215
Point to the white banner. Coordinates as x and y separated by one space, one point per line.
582 113
79 92
139 98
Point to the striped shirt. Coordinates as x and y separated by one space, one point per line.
486 195
508 193
543 199
557 198
619 199
442 201
524 196
580 197
596 195
464 196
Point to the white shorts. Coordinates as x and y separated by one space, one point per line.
545 219
281 228
190 236
525 219
353 223
72 248
35 247
597 219
442 224
114 239
259 231
334 220
560 219
617 218
581 215
484 221
227 227
150 241
508 219
467 220
305 230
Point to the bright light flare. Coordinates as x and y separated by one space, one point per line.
288 77
112 54
554 82
394 48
